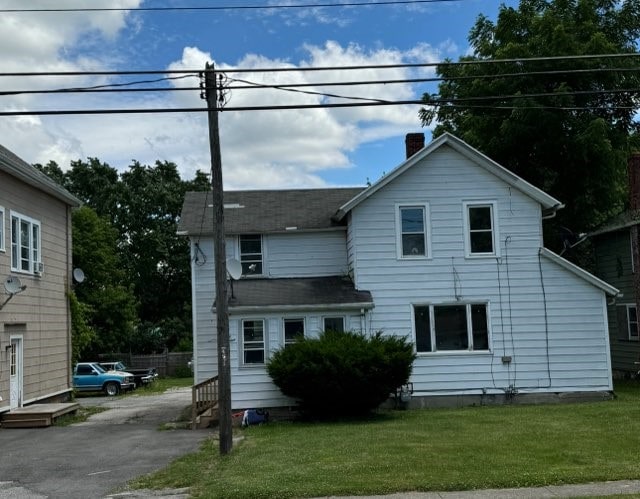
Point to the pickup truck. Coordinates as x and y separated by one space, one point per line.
91 377
142 376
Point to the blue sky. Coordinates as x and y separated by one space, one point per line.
265 149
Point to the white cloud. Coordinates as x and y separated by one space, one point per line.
278 148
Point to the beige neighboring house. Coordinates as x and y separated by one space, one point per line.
35 270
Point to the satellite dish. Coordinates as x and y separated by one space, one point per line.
234 268
78 275
12 285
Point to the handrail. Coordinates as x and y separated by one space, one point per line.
204 396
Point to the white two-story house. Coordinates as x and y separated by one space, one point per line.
446 250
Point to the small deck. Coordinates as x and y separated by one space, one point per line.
36 415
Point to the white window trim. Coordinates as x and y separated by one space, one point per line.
265 341
493 204
32 262
3 229
263 255
432 330
293 318
344 321
631 337
427 229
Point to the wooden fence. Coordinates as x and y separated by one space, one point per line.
167 364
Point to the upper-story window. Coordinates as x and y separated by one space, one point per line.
480 228
413 231
632 322
2 232
251 255
25 243
453 327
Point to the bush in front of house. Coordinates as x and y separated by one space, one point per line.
342 373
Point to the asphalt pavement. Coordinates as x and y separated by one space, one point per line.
98 457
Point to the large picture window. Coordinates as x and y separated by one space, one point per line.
456 327
25 243
253 341
334 324
251 255
413 233
480 227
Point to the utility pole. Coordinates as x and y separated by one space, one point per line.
222 306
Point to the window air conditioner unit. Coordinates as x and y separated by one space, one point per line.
38 268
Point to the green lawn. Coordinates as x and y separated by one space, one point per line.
160 385
423 450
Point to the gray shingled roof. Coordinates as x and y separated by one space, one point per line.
22 170
311 292
621 221
260 212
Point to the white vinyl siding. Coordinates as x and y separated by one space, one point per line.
413 237
480 229
306 254
25 243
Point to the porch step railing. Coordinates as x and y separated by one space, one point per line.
204 397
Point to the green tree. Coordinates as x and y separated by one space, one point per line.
574 140
106 298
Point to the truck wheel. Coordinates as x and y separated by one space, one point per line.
111 388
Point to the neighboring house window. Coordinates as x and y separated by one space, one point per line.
632 322
451 327
413 231
25 243
253 341
2 248
334 324
480 228
251 255
293 329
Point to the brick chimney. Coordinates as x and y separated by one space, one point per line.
634 181
415 142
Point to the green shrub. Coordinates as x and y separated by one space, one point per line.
342 374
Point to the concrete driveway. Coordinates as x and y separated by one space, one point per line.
97 457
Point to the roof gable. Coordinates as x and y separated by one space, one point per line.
262 212
548 202
20 169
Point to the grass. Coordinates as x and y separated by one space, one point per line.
80 416
421 450
161 385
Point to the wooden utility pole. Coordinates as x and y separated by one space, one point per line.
222 306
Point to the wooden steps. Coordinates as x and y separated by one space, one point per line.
36 415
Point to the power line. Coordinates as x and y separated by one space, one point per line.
516 60
230 7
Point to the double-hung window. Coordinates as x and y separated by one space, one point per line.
632 322
253 341
2 231
455 327
251 254
25 243
413 231
481 236
293 329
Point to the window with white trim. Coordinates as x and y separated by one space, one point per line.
455 327
2 232
25 243
293 329
333 324
480 228
413 231
251 254
632 322
253 341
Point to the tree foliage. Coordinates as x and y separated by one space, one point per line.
137 291
566 129
342 373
